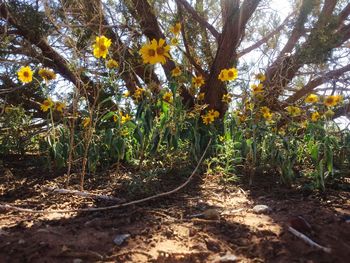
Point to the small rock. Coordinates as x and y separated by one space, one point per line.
77 260
21 242
212 245
227 258
119 239
261 209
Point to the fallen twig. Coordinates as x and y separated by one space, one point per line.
84 194
308 240
94 209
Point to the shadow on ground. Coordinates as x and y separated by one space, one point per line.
164 230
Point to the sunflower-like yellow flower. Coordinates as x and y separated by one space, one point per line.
228 74
223 75
155 52
126 94
175 29
138 93
25 74
332 100
200 96
174 41
207 119
59 106
168 97
265 109
312 98
86 122
315 116
125 118
210 116
227 98
47 74
47 104
214 113
101 46
261 77
198 81
293 111
257 88
111 63
267 115
176 72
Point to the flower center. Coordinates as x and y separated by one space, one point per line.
26 74
230 74
103 47
151 52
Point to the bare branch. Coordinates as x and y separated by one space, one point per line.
198 18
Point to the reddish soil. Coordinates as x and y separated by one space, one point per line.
163 230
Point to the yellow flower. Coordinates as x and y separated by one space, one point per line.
264 110
176 72
47 104
312 98
214 113
174 41
138 93
86 122
112 64
126 94
101 46
315 116
267 116
223 75
232 74
125 118
329 113
198 81
207 119
227 98
293 111
47 74
201 96
332 100
59 106
176 29
168 97
155 52
261 77
228 74
25 74
257 88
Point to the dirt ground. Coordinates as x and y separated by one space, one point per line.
166 230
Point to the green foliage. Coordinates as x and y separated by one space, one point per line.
17 136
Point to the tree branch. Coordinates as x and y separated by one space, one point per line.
316 82
266 38
198 18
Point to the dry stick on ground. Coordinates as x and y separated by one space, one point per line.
84 194
94 209
308 240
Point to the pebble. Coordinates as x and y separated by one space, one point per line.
226 258
261 209
119 239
